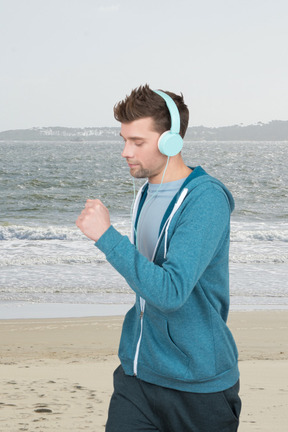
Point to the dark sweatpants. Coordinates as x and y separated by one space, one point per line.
137 406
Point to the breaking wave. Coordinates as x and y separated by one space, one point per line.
18 232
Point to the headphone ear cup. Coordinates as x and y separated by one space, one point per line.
170 144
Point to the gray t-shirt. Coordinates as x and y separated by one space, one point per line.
156 203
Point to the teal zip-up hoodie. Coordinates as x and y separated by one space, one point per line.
176 334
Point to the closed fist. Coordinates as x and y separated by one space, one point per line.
94 220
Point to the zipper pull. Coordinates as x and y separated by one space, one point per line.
141 314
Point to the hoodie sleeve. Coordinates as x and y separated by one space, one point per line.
194 240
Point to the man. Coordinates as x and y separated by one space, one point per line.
179 369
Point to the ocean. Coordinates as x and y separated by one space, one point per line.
46 264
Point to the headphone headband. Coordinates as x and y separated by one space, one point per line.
170 142
173 110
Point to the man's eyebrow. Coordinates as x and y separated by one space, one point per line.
132 137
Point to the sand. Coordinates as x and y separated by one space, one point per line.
56 374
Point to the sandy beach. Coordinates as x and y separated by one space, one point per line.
56 374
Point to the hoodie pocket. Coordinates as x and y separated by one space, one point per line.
159 352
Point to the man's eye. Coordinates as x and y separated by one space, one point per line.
139 143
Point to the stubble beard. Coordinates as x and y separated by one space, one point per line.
140 172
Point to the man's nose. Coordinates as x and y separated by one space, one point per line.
127 151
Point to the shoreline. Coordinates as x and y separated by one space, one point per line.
56 373
26 310
29 310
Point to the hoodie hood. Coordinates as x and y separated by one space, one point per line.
197 178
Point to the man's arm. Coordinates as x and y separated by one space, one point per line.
200 230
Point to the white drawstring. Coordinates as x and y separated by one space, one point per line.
134 208
175 208
168 221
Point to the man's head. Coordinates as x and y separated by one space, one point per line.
144 102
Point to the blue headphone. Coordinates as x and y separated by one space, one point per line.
170 142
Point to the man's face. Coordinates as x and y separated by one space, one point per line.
141 149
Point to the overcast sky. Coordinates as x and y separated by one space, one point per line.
67 62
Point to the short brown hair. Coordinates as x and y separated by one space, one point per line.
144 102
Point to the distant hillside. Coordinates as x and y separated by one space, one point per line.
60 134
276 130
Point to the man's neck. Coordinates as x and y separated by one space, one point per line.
176 170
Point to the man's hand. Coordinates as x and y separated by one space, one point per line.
94 219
